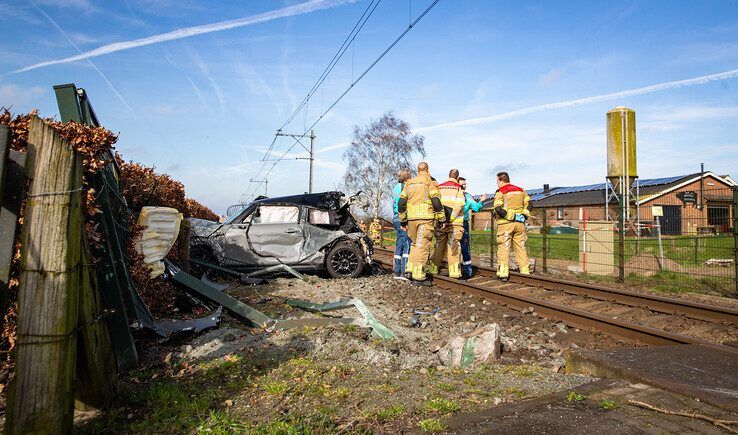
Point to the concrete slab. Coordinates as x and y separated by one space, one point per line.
695 371
587 413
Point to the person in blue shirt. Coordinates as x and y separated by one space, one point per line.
402 241
470 206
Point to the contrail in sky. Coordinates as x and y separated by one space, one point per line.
571 103
92 64
290 11
587 100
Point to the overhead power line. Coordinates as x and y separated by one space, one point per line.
336 57
358 79
347 42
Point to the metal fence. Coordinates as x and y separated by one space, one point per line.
672 243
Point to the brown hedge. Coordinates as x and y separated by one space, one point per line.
140 186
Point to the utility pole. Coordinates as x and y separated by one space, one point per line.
311 151
266 184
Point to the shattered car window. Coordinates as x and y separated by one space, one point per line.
276 214
318 217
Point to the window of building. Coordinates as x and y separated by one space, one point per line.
719 216
560 213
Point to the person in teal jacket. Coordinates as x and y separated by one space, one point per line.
469 207
402 240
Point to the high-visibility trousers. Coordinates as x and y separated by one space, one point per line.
448 244
511 234
420 232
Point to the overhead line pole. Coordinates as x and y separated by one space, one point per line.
310 150
264 181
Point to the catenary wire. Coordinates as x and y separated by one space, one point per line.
348 89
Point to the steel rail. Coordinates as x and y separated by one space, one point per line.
573 317
652 302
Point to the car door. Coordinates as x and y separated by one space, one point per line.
275 234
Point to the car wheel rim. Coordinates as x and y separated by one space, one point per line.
345 262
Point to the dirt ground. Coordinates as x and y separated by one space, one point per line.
341 378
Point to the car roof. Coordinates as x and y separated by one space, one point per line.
324 200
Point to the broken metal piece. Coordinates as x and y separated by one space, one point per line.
241 310
173 327
426 313
377 328
218 286
244 279
415 319
277 268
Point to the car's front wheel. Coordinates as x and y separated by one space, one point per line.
344 261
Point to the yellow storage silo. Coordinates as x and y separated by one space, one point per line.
621 147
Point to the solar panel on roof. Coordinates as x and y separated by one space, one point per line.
657 181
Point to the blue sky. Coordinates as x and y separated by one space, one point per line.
204 108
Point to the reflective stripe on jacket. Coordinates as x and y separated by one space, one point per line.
453 201
418 192
513 199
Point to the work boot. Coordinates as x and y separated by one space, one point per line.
466 270
432 269
418 273
454 270
503 271
525 270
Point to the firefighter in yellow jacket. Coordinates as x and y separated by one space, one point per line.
511 207
419 207
448 236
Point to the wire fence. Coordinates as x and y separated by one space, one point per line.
679 242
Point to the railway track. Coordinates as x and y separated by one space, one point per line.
638 317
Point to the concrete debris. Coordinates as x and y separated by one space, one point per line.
473 348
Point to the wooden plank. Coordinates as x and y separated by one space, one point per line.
41 398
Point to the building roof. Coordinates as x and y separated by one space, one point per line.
595 193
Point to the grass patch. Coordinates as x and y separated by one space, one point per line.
573 396
432 425
390 413
221 423
441 405
514 391
520 370
609 405
443 386
275 388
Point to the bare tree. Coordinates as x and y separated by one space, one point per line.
376 153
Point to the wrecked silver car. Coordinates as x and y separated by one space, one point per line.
310 232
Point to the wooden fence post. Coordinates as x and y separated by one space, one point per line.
41 398
95 369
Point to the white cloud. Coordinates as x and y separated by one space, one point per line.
550 77
679 117
13 95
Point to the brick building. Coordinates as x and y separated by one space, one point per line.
689 204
